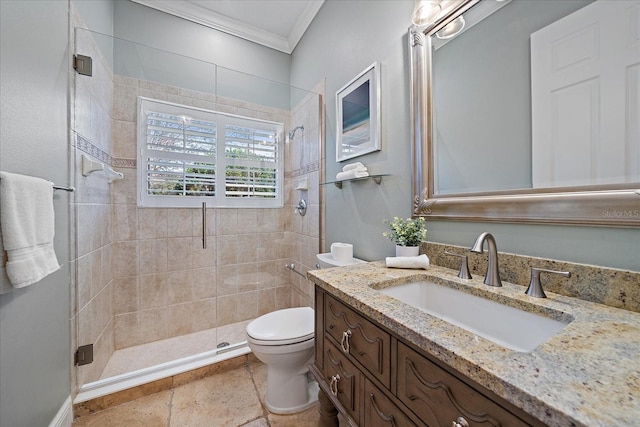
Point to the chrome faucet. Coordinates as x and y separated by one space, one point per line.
492 277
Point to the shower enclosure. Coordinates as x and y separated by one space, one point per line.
159 288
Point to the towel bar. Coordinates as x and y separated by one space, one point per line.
292 267
57 187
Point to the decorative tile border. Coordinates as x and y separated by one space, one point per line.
86 146
307 169
124 163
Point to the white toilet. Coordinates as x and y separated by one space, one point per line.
283 340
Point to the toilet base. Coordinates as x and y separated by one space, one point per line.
312 393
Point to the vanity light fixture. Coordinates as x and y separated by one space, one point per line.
425 12
452 29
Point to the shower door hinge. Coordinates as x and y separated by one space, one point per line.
84 355
83 65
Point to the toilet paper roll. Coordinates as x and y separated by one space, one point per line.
342 252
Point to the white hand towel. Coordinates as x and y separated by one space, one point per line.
420 261
354 166
341 176
27 221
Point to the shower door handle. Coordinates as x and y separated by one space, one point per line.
204 225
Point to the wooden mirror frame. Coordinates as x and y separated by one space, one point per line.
598 205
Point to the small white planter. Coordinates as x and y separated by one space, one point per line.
407 250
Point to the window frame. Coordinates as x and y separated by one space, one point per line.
221 120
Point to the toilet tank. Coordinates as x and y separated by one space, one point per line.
326 261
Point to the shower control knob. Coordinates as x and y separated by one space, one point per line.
301 208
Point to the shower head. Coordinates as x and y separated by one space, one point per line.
293 131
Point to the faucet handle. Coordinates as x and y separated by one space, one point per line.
463 273
535 286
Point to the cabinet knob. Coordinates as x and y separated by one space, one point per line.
460 422
345 340
333 385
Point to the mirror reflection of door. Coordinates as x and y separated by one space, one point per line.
585 72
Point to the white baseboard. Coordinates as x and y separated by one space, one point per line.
64 417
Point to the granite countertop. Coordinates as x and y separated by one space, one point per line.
588 374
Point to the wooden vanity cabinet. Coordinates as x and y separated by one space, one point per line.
379 410
344 380
439 398
367 344
375 379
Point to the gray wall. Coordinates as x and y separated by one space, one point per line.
344 38
34 321
98 16
153 28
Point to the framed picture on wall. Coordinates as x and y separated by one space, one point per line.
358 115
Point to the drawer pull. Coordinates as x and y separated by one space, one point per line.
345 340
461 422
333 385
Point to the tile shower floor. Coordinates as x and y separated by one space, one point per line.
154 353
230 399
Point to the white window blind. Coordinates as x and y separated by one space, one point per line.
251 157
189 155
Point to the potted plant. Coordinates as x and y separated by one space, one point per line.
407 233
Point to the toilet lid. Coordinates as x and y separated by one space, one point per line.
286 326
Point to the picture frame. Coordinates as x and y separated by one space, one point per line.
358 115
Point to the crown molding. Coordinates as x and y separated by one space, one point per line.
303 23
202 16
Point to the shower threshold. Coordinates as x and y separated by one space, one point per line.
135 366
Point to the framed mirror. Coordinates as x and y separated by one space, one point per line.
527 111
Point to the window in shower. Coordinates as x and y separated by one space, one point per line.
189 155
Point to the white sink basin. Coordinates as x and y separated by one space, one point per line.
509 327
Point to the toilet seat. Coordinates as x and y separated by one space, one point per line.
282 327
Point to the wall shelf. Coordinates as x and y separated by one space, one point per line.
376 178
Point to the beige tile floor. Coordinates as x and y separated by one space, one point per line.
232 398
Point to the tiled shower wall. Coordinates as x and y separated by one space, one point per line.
303 162
92 293
165 283
142 273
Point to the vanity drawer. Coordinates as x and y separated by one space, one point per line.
380 411
439 398
367 344
343 378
